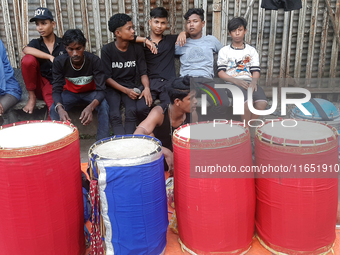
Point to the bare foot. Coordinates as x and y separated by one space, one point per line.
30 105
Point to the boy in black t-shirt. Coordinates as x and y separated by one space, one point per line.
161 66
36 65
78 77
122 60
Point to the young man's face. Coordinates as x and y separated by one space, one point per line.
126 32
194 26
238 34
158 25
189 103
76 53
45 27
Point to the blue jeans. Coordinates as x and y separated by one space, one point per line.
71 99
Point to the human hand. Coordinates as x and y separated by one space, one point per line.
181 39
86 116
253 85
241 83
169 159
147 95
131 93
51 58
152 47
63 115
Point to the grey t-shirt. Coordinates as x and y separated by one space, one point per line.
197 56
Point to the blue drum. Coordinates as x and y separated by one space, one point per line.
131 181
321 110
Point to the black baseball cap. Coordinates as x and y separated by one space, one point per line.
42 13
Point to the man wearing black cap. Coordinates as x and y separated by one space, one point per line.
36 65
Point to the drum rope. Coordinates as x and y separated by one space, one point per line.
96 240
282 253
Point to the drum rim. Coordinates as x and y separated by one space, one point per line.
263 137
121 137
39 149
211 143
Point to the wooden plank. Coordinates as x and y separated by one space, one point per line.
260 29
70 14
290 38
172 12
97 26
323 46
185 8
205 8
312 36
135 15
108 15
249 17
197 4
300 37
86 27
335 46
18 30
283 62
216 28
59 18
146 17
224 22
272 39
159 3
24 24
43 3
334 20
121 6
8 32
237 8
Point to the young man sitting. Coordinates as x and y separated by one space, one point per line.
238 63
36 65
161 123
122 61
78 77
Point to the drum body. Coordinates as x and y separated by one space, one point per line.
296 206
215 212
42 206
132 193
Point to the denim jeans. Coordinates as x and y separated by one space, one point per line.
71 99
114 98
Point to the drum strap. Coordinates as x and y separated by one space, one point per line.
320 110
96 240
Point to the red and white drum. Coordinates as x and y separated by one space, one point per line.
41 197
214 206
296 186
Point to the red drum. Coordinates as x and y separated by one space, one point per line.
41 197
215 207
297 194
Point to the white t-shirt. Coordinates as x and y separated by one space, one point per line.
197 56
238 63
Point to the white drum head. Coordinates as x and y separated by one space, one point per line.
207 131
126 150
33 134
304 131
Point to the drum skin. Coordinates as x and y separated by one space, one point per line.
295 214
214 215
41 198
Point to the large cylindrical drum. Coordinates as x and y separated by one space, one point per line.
296 186
131 180
41 198
214 199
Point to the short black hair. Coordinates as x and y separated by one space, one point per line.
179 88
118 20
159 12
74 36
198 11
236 22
